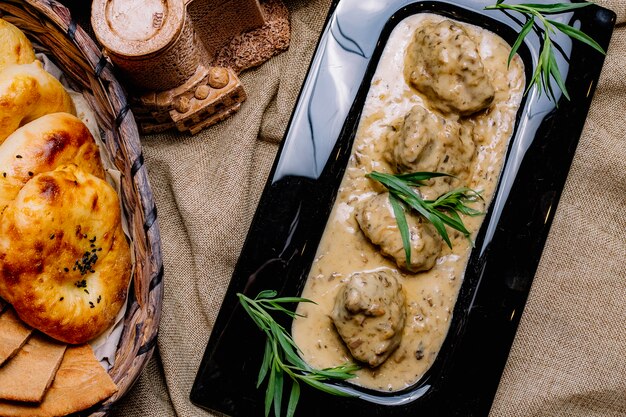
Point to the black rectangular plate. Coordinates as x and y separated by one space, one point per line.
301 189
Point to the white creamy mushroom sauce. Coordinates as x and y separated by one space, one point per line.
344 250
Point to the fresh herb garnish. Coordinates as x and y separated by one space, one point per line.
547 66
440 212
281 355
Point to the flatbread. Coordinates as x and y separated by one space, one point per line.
28 375
80 383
13 334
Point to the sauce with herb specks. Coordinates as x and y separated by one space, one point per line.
344 250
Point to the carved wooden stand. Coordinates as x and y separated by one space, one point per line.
181 57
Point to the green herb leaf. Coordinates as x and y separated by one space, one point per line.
518 42
265 365
393 182
451 200
281 358
555 7
293 399
440 227
283 300
278 392
403 226
557 75
418 178
578 35
547 67
266 294
441 212
269 394
341 372
288 348
328 389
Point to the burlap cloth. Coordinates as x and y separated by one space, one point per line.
569 356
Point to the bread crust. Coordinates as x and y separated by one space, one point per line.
79 383
28 92
16 48
64 259
41 146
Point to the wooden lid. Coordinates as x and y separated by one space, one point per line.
135 28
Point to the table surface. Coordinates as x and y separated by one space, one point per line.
568 356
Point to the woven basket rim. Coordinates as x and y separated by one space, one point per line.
50 24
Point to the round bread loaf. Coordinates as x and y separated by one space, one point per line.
28 91
15 47
64 259
42 145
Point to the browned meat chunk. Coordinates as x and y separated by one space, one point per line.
443 63
369 315
377 221
425 141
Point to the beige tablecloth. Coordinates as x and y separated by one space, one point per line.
569 356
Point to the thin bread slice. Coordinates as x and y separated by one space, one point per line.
13 334
28 375
80 383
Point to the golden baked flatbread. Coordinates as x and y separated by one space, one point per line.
42 146
13 334
27 376
15 48
67 222
80 383
27 92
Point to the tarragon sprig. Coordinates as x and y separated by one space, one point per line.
547 67
281 357
441 212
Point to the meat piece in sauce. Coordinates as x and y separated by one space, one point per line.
369 315
443 63
378 223
426 141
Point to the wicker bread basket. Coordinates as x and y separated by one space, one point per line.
51 29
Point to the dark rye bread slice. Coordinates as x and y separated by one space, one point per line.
252 48
13 333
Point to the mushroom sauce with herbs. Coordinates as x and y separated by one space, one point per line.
402 105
